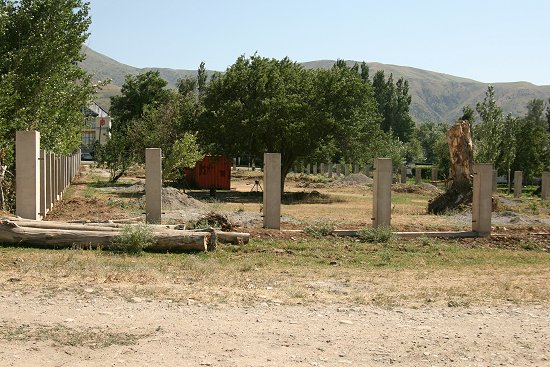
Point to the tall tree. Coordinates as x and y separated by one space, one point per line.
266 105
41 86
139 93
487 135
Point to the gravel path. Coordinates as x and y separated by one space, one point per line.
83 329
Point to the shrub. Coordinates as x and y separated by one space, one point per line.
320 229
376 235
132 240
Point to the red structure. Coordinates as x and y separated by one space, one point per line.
213 172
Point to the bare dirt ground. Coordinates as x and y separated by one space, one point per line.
85 309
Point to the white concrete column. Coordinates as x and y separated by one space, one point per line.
27 180
418 175
329 170
338 169
49 181
314 168
518 182
55 178
272 190
495 175
403 175
381 201
482 200
322 169
153 185
545 189
43 182
346 169
434 174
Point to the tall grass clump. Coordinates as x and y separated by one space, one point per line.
376 235
132 240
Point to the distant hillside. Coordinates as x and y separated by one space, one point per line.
435 96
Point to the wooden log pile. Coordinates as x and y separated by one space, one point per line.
18 231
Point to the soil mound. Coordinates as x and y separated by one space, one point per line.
424 188
174 199
355 179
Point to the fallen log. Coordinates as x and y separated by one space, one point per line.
235 238
12 233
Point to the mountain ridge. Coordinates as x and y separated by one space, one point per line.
435 96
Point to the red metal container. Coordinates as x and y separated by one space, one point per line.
213 172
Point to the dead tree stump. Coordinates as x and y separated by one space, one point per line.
459 190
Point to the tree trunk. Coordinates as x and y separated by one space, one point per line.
459 191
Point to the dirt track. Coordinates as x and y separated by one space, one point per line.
82 329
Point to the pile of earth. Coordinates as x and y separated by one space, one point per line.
174 199
422 189
355 179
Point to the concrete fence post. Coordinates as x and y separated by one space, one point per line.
494 180
322 168
43 183
482 200
49 181
346 169
153 185
314 169
337 169
418 175
55 174
27 180
381 202
434 174
545 189
518 182
330 170
403 175
272 190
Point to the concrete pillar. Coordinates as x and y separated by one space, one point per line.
518 182
153 185
234 164
55 174
322 168
314 168
43 191
355 168
403 175
27 180
418 175
337 169
49 181
346 169
381 201
329 170
434 174
272 190
482 200
495 174
545 190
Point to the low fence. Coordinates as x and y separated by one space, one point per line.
41 176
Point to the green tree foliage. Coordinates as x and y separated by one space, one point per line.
41 86
393 104
140 93
265 105
488 134
532 153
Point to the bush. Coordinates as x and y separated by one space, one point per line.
376 235
132 240
320 229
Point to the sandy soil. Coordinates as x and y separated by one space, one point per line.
73 329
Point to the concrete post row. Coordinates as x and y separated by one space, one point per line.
153 185
381 203
403 175
482 200
418 175
545 190
518 182
272 190
43 184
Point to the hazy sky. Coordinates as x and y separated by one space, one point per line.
485 40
